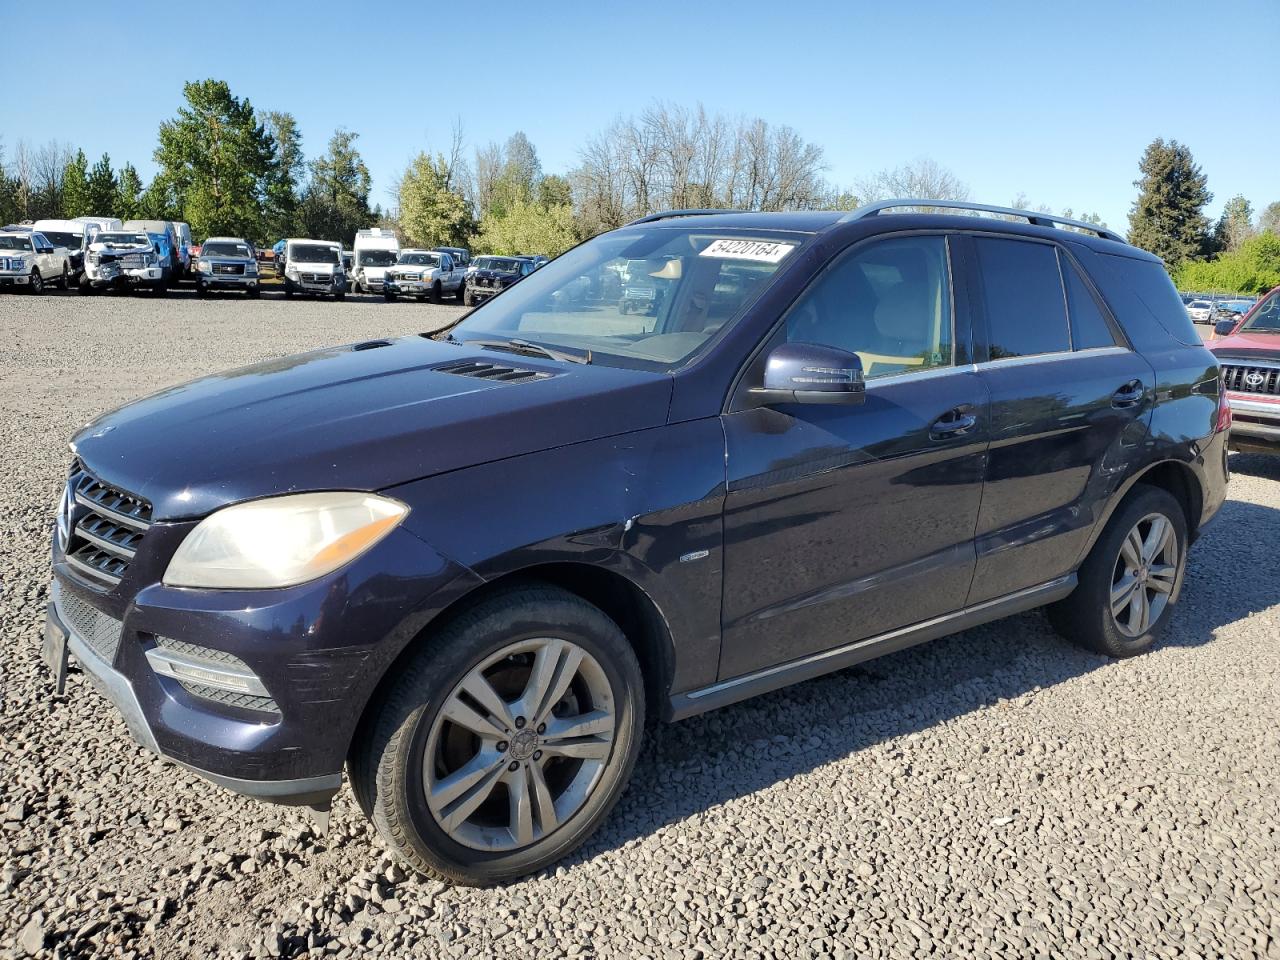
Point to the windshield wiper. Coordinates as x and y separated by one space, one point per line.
527 347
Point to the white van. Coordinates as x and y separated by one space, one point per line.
100 223
314 266
375 250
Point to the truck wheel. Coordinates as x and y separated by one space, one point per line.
255 292
65 282
1130 581
85 286
460 295
288 288
505 740
435 292
161 289
201 290
36 284
387 295
466 299
340 295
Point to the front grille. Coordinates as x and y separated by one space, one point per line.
315 277
235 269
11 263
99 631
132 261
106 527
1245 379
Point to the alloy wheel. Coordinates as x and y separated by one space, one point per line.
1145 574
519 744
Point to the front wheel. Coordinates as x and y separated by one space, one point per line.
85 286
1129 583
65 282
36 283
460 295
467 299
505 740
435 292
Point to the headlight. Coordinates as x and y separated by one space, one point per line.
282 541
251 267
202 265
291 273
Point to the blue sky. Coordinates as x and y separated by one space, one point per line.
1056 101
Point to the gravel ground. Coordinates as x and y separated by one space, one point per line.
996 793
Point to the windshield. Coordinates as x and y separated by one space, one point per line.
240 250
1198 305
498 264
419 260
120 238
1266 316
15 243
313 253
649 298
376 258
69 240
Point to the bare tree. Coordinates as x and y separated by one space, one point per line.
923 178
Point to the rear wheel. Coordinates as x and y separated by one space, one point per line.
505 741
1131 579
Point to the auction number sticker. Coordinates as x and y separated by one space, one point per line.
761 251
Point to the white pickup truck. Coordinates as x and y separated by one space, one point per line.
29 260
424 273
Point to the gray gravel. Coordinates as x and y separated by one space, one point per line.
996 793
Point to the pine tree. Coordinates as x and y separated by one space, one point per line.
1168 217
75 187
128 193
286 175
336 202
101 189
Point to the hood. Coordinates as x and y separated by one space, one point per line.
1247 346
302 267
413 268
356 417
121 248
496 275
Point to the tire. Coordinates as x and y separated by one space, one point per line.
388 766
35 286
85 286
201 290
288 288
340 295
65 282
1086 617
255 292
467 301
460 295
161 289
388 296
435 292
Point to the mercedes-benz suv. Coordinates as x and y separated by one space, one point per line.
465 566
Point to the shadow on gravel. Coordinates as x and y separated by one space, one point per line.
689 767
1256 465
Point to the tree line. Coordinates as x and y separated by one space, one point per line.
227 168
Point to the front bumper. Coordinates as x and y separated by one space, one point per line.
318 650
14 279
407 287
236 280
1255 424
327 286
108 273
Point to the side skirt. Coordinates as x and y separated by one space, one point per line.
749 685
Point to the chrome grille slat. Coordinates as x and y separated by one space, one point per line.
105 535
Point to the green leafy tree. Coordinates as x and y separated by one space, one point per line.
128 194
1168 217
217 159
554 191
432 212
336 202
524 227
1269 219
102 189
285 180
8 192
75 187
158 202
1252 268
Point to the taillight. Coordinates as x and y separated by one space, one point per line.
1224 410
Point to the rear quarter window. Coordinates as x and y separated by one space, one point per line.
1149 282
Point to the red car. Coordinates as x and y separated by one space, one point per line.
1249 352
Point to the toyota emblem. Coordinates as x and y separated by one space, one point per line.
1254 379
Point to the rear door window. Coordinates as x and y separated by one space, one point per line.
1022 292
1089 327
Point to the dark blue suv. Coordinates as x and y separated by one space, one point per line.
466 566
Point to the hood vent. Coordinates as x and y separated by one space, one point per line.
372 345
481 370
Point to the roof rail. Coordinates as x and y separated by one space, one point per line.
672 214
1033 217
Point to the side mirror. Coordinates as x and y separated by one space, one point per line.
1224 328
811 373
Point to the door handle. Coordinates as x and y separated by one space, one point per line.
1129 395
955 422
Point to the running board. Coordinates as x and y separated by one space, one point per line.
749 685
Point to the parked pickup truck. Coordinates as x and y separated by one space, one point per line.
227 263
28 259
422 274
128 258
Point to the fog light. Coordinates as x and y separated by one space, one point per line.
186 662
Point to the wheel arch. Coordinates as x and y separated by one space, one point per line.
1176 478
619 597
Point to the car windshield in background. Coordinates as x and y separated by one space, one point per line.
1266 317
1198 305
377 258
15 243
499 265
114 239
419 260
69 240
650 298
226 250
314 253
